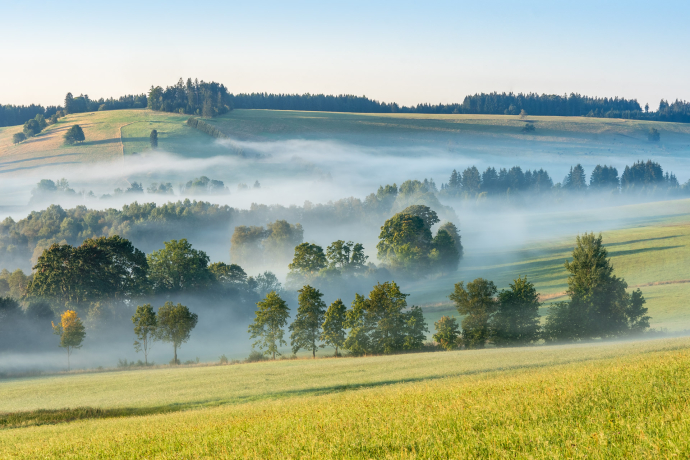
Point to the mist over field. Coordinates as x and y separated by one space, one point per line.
298 175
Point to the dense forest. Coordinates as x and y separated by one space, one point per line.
210 99
207 99
641 177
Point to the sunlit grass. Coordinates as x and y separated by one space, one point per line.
625 400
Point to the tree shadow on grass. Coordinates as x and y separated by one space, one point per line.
113 140
642 250
55 416
622 243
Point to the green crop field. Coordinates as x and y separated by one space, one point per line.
600 400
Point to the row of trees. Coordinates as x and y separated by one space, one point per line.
207 99
378 324
13 115
640 176
599 306
83 103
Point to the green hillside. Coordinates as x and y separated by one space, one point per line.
613 400
110 134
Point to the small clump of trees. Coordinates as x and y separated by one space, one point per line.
378 324
599 308
74 135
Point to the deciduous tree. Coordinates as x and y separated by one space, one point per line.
447 332
271 317
333 328
516 321
145 324
175 324
476 303
71 331
306 328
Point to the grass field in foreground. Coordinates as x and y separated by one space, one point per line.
611 400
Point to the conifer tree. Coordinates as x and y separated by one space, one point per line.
153 138
516 321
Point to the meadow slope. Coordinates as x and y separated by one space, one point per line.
606 400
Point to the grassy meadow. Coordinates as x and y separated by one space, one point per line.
650 251
110 134
605 400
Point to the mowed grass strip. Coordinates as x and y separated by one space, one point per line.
635 406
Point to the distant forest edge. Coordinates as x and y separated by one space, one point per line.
211 99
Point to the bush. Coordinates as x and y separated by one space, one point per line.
18 137
223 359
255 356
654 135
529 128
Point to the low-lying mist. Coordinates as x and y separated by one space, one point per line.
302 181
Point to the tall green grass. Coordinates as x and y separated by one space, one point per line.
625 401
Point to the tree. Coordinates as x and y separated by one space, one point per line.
309 259
101 268
447 332
145 325
654 135
477 304
178 267
71 331
307 324
73 135
415 329
271 316
516 321
360 325
576 179
346 257
599 305
385 309
333 328
69 103
604 178
404 242
18 137
175 324
153 138
226 274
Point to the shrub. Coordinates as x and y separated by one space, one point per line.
255 356
18 137
223 359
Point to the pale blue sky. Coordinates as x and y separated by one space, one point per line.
407 52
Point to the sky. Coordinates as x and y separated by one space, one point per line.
398 51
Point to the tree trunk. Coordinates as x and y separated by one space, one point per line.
274 356
336 351
313 353
67 359
175 348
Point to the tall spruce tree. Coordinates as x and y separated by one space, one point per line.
599 305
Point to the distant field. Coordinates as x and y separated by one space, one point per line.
651 251
606 400
495 135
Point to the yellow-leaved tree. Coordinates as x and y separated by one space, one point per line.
71 331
